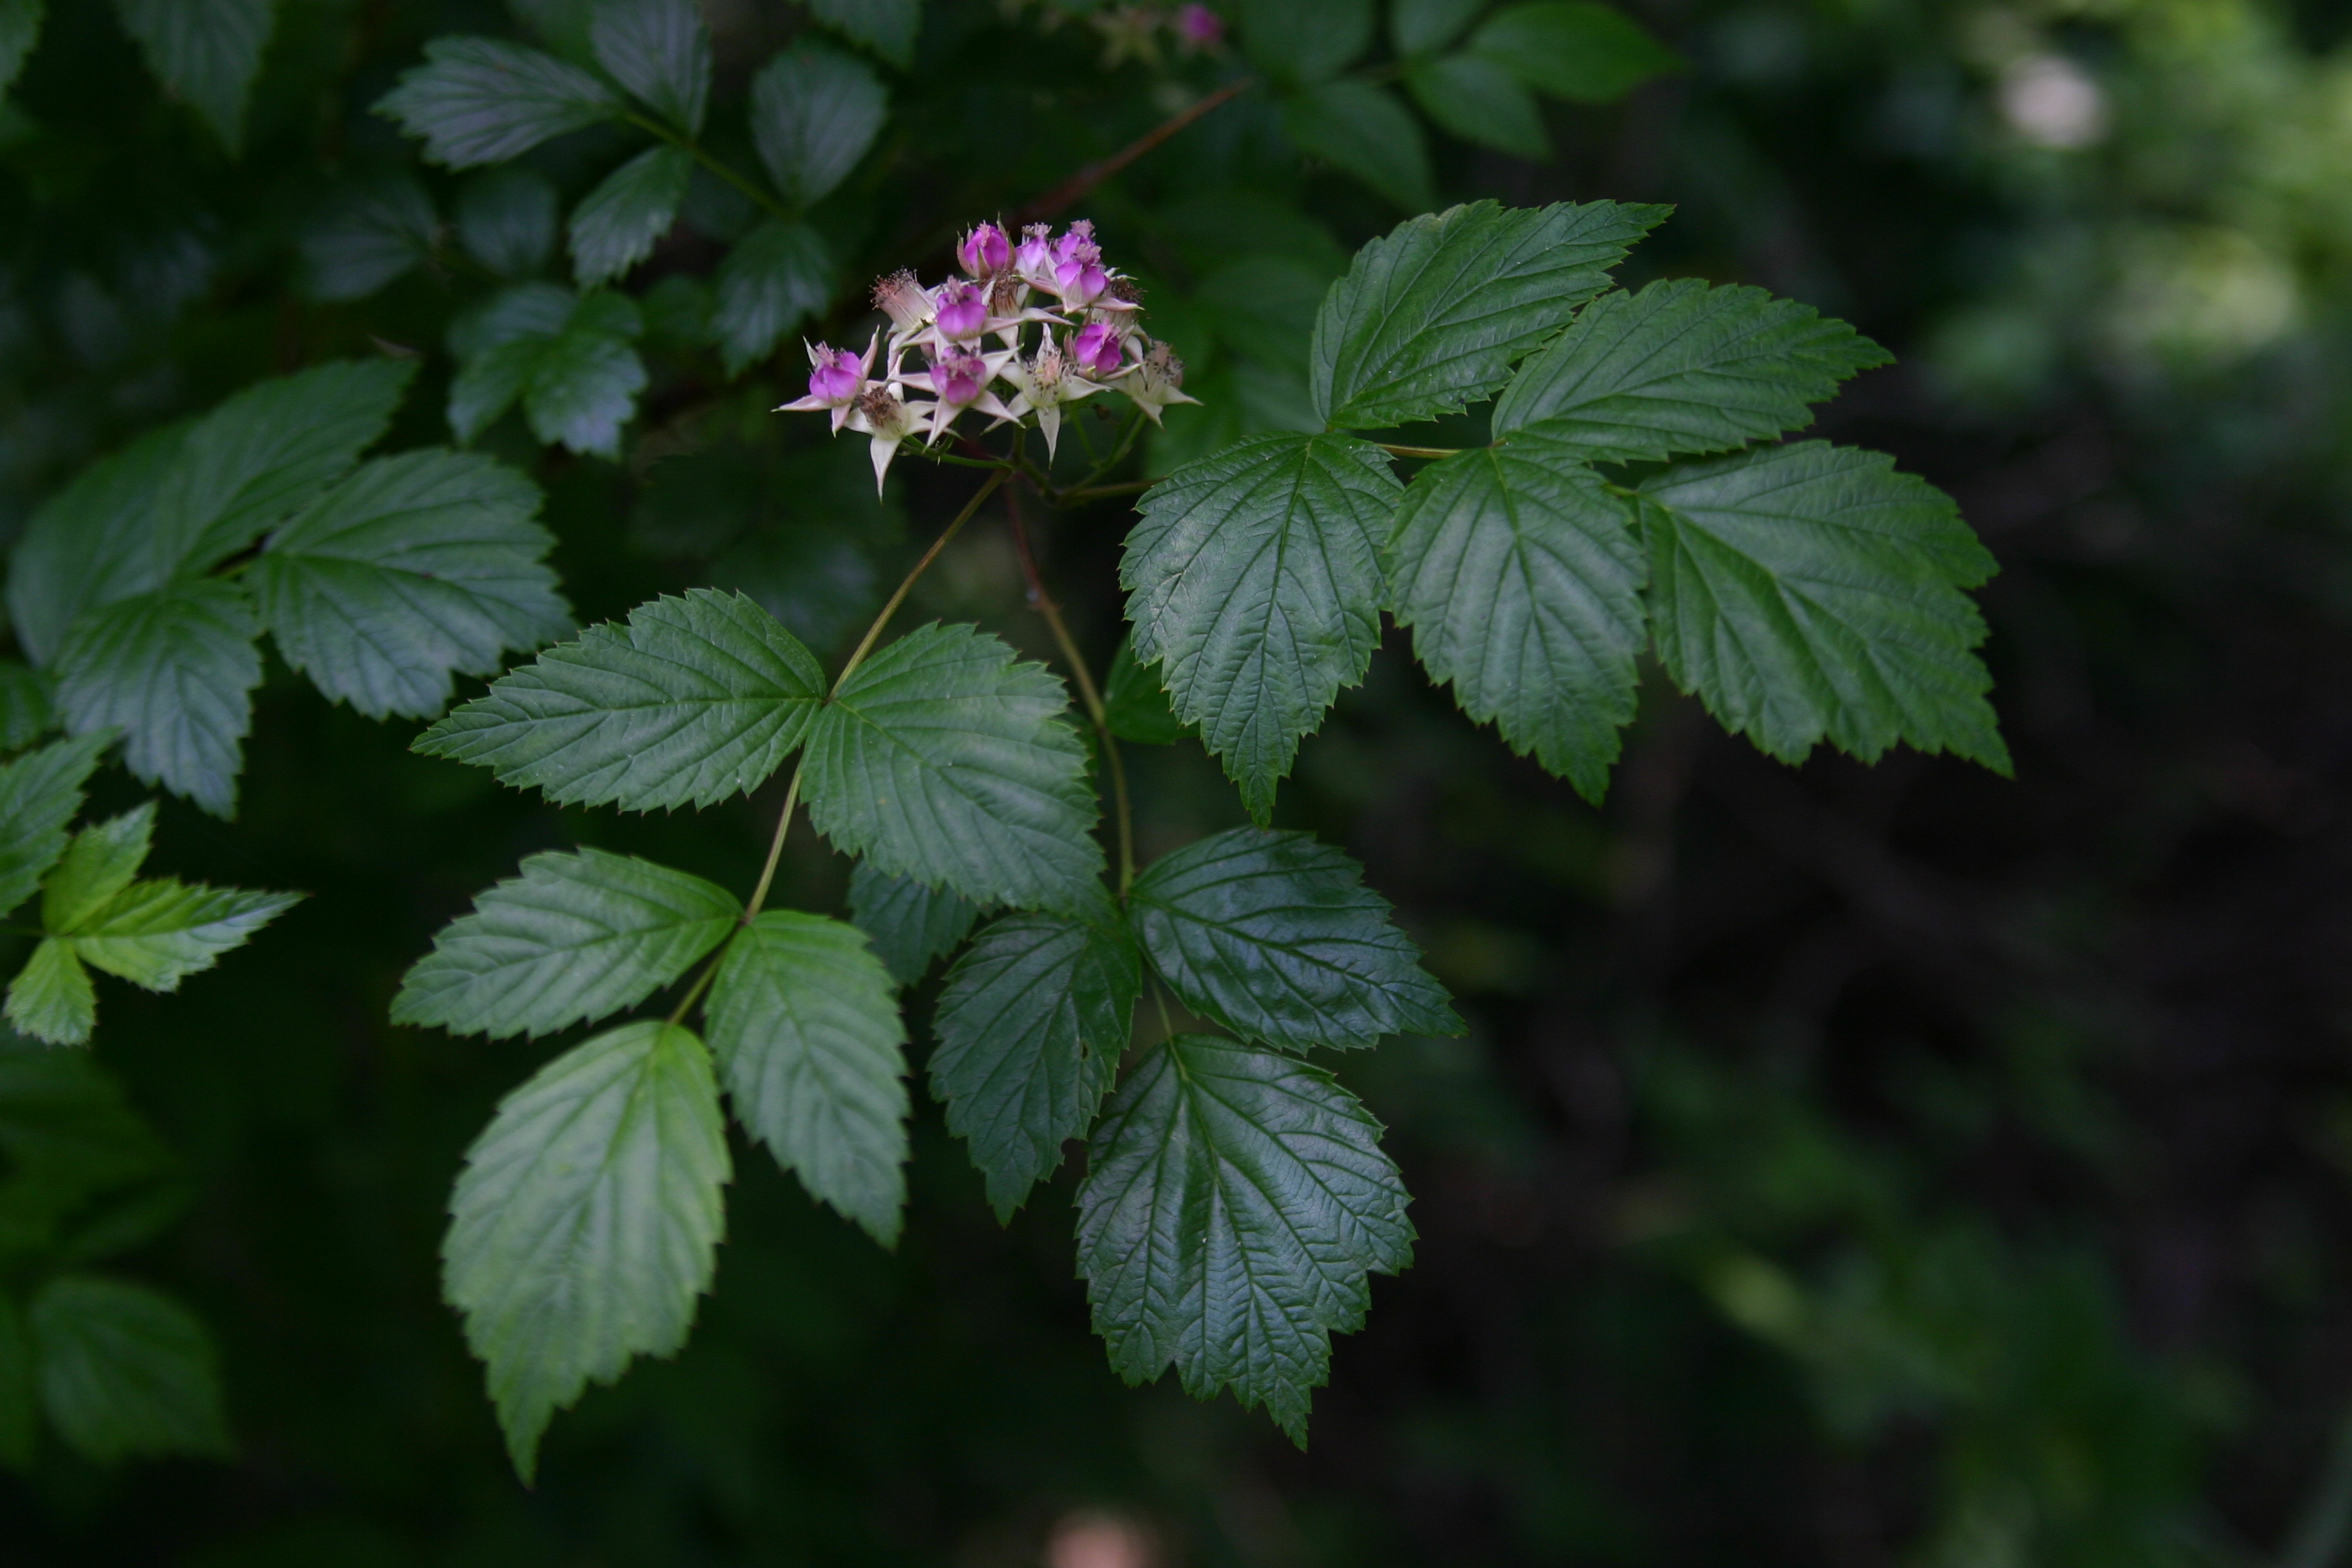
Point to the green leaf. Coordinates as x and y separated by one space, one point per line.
39 792
1031 1026
1424 27
910 926
1235 1202
1363 129
519 314
1304 42
586 1222
943 760
373 232
805 1022
484 100
1683 367
693 699
506 220
91 542
97 865
1573 49
616 225
886 26
52 998
1135 703
774 278
125 1370
174 671
568 360
20 29
1521 576
28 708
660 50
207 52
1275 936
576 937
1810 591
1431 316
1480 101
20 1416
416 569
814 111
155 934
1254 582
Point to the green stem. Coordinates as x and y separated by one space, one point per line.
1097 492
645 122
865 643
1396 451
775 848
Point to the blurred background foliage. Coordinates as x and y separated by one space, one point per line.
1846 1166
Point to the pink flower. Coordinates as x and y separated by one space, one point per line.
1198 27
959 376
1078 245
962 309
1034 260
985 251
837 377
1095 350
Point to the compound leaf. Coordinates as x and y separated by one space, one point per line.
506 220
944 760
805 1022
1363 129
1681 367
372 233
1431 316
694 698
912 926
814 111
52 998
29 705
39 792
102 861
586 1222
775 277
1235 1202
1275 936
1421 26
1480 101
576 936
484 101
125 1370
616 225
1810 591
1575 49
660 51
1521 576
157 934
174 671
206 51
1306 41
886 26
1254 582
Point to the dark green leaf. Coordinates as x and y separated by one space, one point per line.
615 226
506 220
52 998
586 1222
910 926
174 671
1235 1202
1810 591
416 568
576 937
1683 367
39 792
20 29
814 111
943 760
886 26
584 386
1363 129
1431 316
660 50
695 698
777 275
1575 49
1306 41
484 100
102 861
29 705
1275 936
1521 576
374 232
125 1370
91 542
805 1022
1254 582
1135 701
18 1413
1032 1024
1424 27
1479 100
520 314
155 934
207 53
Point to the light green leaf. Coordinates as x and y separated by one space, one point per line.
1480 101
20 1416
1275 936
943 760
774 278
484 101
415 568
693 699
1363 129
20 29
616 225
97 865
205 52
576 937
1031 1025
1424 27
1681 367
506 220
910 926
805 1023
28 707
1302 42
372 233
1810 591
1235 1202
1574 50
1521 576
814 111
39 792
125 1370
586 1222
1135 703
886 26
1254 582
155 934
174 671
1431 316
660 50
52 998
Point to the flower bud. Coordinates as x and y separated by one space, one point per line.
961 311
1199 28
985 251
836 376
1095 349
959 376
1034 260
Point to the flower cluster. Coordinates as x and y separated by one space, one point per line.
1031 326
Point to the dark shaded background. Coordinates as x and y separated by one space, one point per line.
1846 1167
